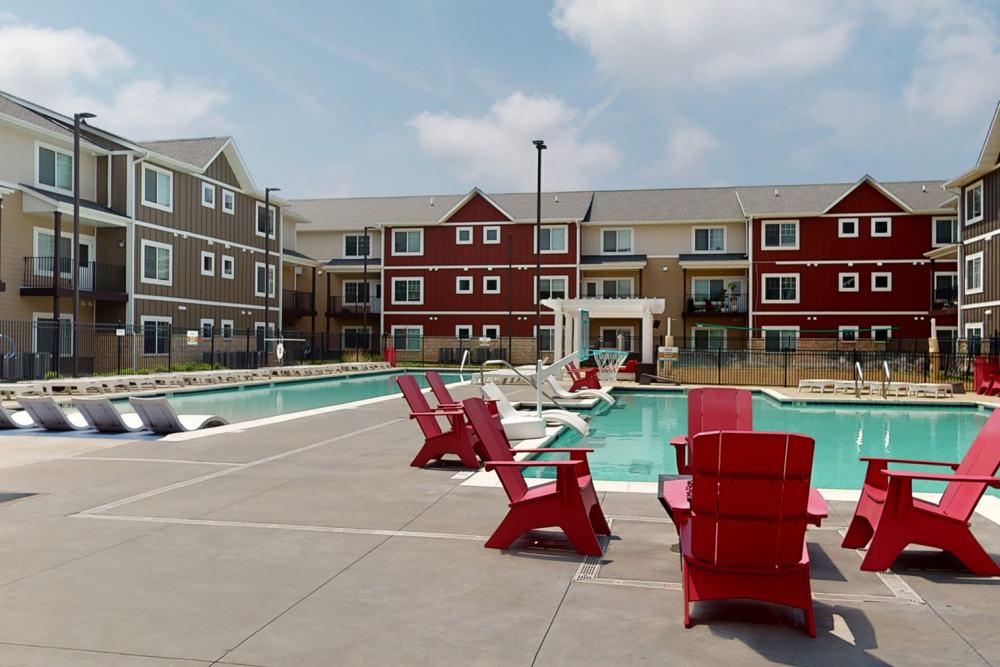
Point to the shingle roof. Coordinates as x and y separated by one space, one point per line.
196 152
796 199
38 116
666 204
296 253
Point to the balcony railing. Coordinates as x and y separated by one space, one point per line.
620 295
945 297
337 305
95 277
297 302
701 304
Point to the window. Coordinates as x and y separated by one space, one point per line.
407 242
407 339
45 332
708 339
491 331
408 290
228 267
356 338
945 231
265 226
207 263
553 239
207 327
157 188
43 245
974 336
974 203
229 202
709 239
946 288
463 285
491 235
258 330
157 263
548 339
777 339
616 241
552 287
55 168
463 331
974 273
491 284
882 282
261 279
608 288
208 195
848 333
881 226
848 282
881 333
227 329
354 292
780 288
847 228
715 291
155 335
356 245
463 235
617 338
780 235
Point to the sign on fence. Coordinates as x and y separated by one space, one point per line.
192 337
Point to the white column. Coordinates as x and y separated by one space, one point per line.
569 334
647 336
557 333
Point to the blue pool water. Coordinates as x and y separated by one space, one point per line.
260 401
630 440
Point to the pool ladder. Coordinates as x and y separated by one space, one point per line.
505 364
859 379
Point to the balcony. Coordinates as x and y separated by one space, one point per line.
945 299
298 303
339 306
722 304
98 281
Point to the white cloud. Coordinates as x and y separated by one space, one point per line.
73 70
706 41
689 150
495 150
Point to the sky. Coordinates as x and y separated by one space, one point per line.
334 99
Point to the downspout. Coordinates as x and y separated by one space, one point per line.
130 209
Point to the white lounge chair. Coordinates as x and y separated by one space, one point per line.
47 414
101 414
508 411
930 389
16 419
159 416
561 392
813 385
11 390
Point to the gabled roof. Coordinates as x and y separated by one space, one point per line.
688 204
875 184
474 192
989 155
778 200
51 122
198 152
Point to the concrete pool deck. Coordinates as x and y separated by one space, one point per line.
312 542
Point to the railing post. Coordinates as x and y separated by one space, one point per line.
170 347
718 365
785 355
119 339
211 348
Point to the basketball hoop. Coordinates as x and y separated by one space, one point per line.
608 363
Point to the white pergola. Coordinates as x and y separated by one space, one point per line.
567 320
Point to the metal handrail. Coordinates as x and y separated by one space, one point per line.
859 379
461 366
504 363
887 381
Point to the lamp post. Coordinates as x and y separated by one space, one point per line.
540 146
268 230
75 254
364 292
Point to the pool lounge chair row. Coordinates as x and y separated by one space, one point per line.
873 387
153 414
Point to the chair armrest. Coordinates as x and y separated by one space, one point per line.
879 459
989 480
553 449
679 441
436 413
817 509
490 465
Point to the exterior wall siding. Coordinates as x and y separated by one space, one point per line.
972 313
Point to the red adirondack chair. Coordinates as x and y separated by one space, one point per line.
713 409
458 440
986 375
742 530
583 378
570 502
888 518
439 390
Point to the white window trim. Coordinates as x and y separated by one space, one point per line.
934 221
392 293
693 331
392 245
888 226
600 283
565 280
694 237
371 247
565 229
840 282
222 329
63 317
458 331
982 273
232 209
631 233
763 286
489 228
763 234
965 203
934 278
631 335
201 263
458 235
840 228
849 327
142 333
490 326
490 291
152 204
201 326
782 327
52 188
207 187
880 327
740 280
888 287
405 327
269 282
36 232
222 267
372 291
142 263
545 327
974 326
458 285
256 220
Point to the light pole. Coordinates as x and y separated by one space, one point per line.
364 292
268 230
75 262
540 146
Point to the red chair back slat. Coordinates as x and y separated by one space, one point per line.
750 494
438 387
418 403
719 409
495 446
983 458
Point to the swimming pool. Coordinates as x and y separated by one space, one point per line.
267 400
630 440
